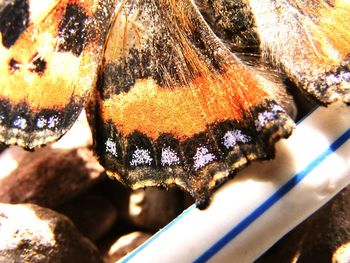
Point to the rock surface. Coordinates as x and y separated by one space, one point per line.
48 176
29 233
124 245
117 194
92 214
153 208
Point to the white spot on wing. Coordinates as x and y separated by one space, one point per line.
1 118
345 76
169 157
332 80
232 137
141 156
266 116
277 108
20 123
263 119
41 122
202 157
111 147
53 121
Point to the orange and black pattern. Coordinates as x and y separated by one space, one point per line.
168 101
307 40
47 55
174 106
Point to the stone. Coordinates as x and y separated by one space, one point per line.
117 194
92 214
2 147
188 200
153 208
124 245
30 233
48 176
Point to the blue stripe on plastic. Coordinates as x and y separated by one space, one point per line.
155 236
283 190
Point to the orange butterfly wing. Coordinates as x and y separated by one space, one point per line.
49 56
174 106
309 40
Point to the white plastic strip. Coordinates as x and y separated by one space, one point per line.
265 201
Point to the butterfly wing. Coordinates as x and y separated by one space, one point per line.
49 54
309 40
174 106
233 22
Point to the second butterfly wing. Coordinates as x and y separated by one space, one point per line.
174 106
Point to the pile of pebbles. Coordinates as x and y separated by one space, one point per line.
58 205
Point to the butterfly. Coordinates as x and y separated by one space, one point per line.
169 96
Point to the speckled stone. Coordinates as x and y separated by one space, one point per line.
153 208
92 214
48 176
29 233
125 244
